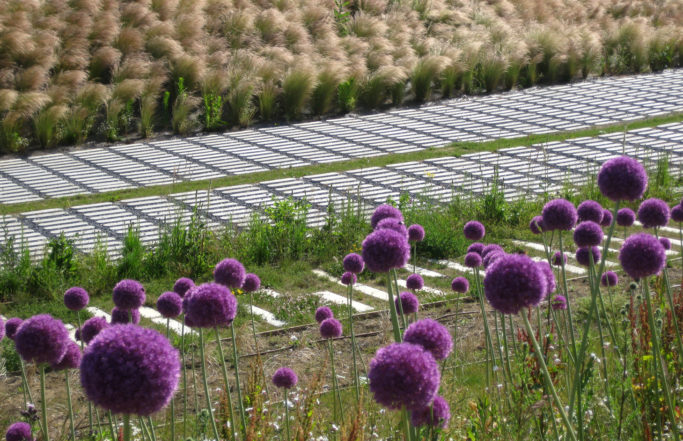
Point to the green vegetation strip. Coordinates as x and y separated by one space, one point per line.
455 149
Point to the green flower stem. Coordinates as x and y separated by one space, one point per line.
151 428
168 333
407 428
112 425
253 332
669 299
182 356
337 394
605 374
144 430
490 355
24 381
286 403
70 407
43 402
414 255
236 360
398 296
356 383
392 312
572 339
224 371
127 432
206 385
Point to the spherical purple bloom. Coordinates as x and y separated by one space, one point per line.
415 282
549 278
130 370
391 223
404 375
514 282
122 316
41 339
11 326
622 179
583 255
559 214
607 218
211 305
2 329
473 260
431 335
536 225
353 263
92 327
76 298
384 250
654 213
677 213
349 278
323 313
416 233
476 247
77 334
559 258
460 284
129 294
492 257
474 230
330 328
436 415
609 278
588 234
590 211
285 378
625 217
182 286
409 302
385 211
20 431
559 302
229 272
170 304
666 243
490 248
71 359
642 255
251 283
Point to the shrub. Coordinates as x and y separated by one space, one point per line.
425 74
296 91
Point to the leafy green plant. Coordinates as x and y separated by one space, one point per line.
240 108
342 16
267 100
183 107
213 110
347 95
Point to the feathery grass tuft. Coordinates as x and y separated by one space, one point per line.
296 91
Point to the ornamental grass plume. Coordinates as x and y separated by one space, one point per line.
19 431
353 263
129 294
473 260
559 214
409 303
122 316
607 218
230 273
391 223
460 284
654 213
588 234
641 255
514 282
432 336
415 282
170 304
385 211
76 298
625 217
476 247
416 233
474 230
92 327
583 255
536 225
323 313
436 415
384 250
348 278
590 211
182 286
622 179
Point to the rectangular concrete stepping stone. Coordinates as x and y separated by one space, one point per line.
162 211
81 172
96 312
22 237
266 316
423 271
291 148
458 267
155 317
539 247
12 193
365 289
323 142
341 300
228 164
119 220
128 168
38 179
260 156
427 289
228 211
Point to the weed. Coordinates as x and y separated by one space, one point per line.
347 95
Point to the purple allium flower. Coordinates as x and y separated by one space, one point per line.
415 282
76 298
642 255
129 294
77 334
653 213
41 339
330 328
666 243
490 248
285 378
71 359
391 223
416 233
476 247
549 278
353 263
559 214
588 234
170 304
251 283
583 255
211 305
2 328
609 278
460 284
559 258
404 375
11 326
92 327
323 313
384 211
349 278
677 213
409 302
590 211
536 225
431 335
607 218
130 370
473 260
492 257
625 217
559 302
514 282
20 431
182 286
436 415
622 179
384 250
474 230
229 272
122 316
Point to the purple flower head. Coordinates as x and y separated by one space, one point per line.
229 272
431 335
625 217
323 313
251 283
353 263
474 230
330 328
170 304
460 284
490 248
349 278
666 243
559 258
77 334
20 431
2 329
130 370
384 211
549 278
41 339
416 233
404 375
409 302
384 250
11 326
492 257
653 213
436 415
588 234
514 282
285 378
473 260
129 294
590 211
415 282
391 223
211 305
677 213
622 179
609 278
583 255
559 214
71 359
536 225
182 286
476 247
559 302
92 327
122 317
642 255
607 218
76 298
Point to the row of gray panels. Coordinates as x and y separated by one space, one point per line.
513 114
519 171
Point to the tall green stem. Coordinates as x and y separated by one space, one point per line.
206 385
24 381
127 432
68 403
356 385
182 355
43 402
236 360
224 371
286 402
168 333
337 394
392 311
572 338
